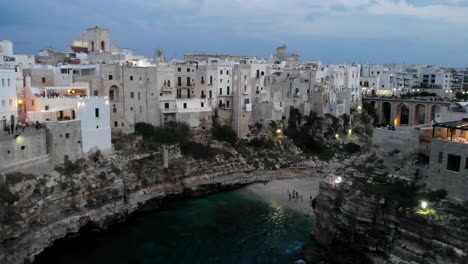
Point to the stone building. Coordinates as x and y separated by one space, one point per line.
448 166
9 78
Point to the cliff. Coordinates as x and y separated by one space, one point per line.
35 210
370 212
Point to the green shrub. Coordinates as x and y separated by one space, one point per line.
197 150
6 196
224 133
438 195
262 143
16 177
172 133
406 194
351 147
326 154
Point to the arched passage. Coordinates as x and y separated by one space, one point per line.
114 93
435 109
386 113
402 115
419 114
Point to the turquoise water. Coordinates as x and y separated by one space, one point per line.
222 228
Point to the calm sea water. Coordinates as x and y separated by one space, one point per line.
222 228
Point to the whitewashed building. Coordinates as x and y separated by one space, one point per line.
8 98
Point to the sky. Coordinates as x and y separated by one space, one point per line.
331 31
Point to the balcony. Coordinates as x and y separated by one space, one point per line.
225 95
169 110
166 89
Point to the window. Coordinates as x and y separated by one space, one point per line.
131 95
131 108
227 72
166 105
211 94
67 135
227 104
179 81
211 79
3 83
453 162
139 95
131 78
114 109
466 163
95 93
188 69
262 73
185 105
220 91
110 77
43 81
96 112
8 82
116 124
46 107
202 104
228 90
441 157
202 80
23 147
221 72
111 95
188 81
179 69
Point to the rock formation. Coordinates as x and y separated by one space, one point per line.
368 212
36 210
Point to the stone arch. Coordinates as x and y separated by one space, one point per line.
435 109
386 113
419 114
114 93
402 115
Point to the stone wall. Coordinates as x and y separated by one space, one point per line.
439 177
64 138
22 147
404 140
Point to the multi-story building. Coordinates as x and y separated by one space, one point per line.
8 96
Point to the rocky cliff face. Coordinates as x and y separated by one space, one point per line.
35 210
368 213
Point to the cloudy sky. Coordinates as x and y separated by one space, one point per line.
334 31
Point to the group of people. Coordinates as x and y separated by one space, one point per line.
295 196
10 129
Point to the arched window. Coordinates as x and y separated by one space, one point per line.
114 93
92 45
102 45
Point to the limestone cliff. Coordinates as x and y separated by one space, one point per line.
368 213
35 210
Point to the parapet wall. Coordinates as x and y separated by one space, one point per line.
21 147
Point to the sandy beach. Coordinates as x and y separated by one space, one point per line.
277 191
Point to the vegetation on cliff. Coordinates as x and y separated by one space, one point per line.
329 136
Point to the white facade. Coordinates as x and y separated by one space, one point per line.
93 113
8 97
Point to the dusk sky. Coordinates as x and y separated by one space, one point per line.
333 31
